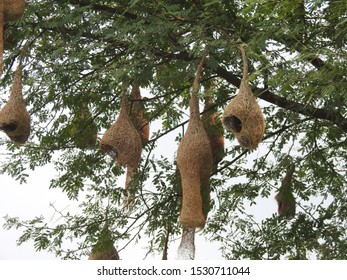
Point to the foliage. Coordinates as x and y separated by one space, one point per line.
82 51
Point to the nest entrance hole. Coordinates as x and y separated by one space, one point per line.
111 151
8 127
234 123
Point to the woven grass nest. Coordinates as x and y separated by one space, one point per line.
104 248
13 9
121 140
194 161
285 198
243 116
10 10
138 114
123 143
14 117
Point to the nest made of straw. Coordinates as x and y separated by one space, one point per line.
123 143
285 198
243 116
83 129
13 9
10 10
104 249
138 114
194 161
14 117
121 140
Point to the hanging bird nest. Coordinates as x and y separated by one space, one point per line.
14 117
104 248
122 140
123 143
285 198
194 160
243 116
10 10
83 129
138 114
13 9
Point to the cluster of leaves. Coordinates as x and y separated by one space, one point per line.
81 52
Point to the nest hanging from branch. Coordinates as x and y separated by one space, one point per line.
243 116
194 161
123 143
10 10
138 114
285 198
14 117
104 248
83 129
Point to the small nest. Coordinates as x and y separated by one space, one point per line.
286 204
13 9
285 198
104 248
83 130
194 161
138 115
14 117
243 116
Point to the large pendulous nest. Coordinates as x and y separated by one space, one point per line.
194 161
14 117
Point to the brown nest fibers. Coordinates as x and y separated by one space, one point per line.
123 143
14 117
243 116
194 161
